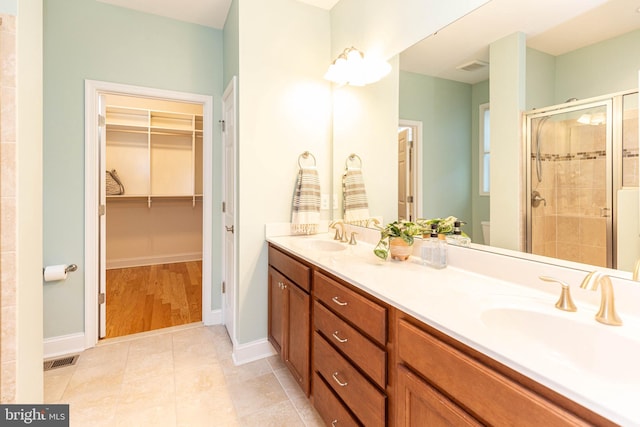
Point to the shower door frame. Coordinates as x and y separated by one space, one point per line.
613 145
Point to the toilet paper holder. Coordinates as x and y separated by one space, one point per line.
68 269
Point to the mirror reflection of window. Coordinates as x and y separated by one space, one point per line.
485 149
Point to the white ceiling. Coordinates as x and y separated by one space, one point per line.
551 26
211 13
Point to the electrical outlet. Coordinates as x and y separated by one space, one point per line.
324 201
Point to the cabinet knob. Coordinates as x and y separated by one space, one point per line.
334 423
340 383
337 301
335 335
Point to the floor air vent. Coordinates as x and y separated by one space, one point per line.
60 363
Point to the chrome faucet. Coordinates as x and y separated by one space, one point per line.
341 234
607 313
373 221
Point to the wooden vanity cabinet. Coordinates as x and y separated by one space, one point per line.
443 382
349 354
290 313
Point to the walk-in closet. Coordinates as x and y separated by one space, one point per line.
154 189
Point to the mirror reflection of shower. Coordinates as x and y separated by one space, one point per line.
574 185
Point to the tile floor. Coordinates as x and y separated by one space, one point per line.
182 376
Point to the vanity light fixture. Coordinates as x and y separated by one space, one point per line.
351 67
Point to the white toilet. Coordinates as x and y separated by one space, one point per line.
486 225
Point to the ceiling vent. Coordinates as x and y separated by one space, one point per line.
473 65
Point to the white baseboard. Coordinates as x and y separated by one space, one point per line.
63 345
245 353
153 260
213 317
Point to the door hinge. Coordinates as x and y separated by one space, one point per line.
224 207
101 298
224 287
409 199
101 120
222 125
101 210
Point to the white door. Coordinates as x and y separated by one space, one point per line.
229 200
102 286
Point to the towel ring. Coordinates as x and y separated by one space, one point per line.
306 155
352 158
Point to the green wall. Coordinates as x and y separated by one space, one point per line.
606 67
444 108
92 40
231 44
9 6
479 204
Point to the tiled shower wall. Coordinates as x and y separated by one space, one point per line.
8 223
573 184
573 157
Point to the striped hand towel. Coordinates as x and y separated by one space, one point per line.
355 206
305 213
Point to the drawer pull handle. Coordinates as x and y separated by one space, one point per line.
335 335
334 423
337 301
282 285
340 383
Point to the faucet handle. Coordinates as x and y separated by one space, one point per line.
353 241
564 302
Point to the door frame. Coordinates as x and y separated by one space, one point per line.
230 92
416 163
93 89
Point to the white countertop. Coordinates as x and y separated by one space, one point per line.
597 366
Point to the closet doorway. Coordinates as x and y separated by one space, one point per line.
152 157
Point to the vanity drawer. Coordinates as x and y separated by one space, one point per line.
366 315
329 406
488 395
362 351
296 271
362 397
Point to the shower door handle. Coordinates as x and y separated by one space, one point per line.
605 212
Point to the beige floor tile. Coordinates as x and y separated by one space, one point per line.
307 412
256 394
182 377
141 366
277 415
236 374
153 416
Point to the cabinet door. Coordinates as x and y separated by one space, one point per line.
298 342
418 404
277 297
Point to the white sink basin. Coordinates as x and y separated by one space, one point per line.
579 345
322 245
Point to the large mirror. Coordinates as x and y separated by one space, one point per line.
574 50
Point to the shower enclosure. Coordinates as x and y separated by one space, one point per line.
582 180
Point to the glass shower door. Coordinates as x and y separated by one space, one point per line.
569 184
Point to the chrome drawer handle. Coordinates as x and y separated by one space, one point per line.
334 423
337 301
340 383
335 335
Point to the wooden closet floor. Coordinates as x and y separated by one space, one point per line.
152 297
